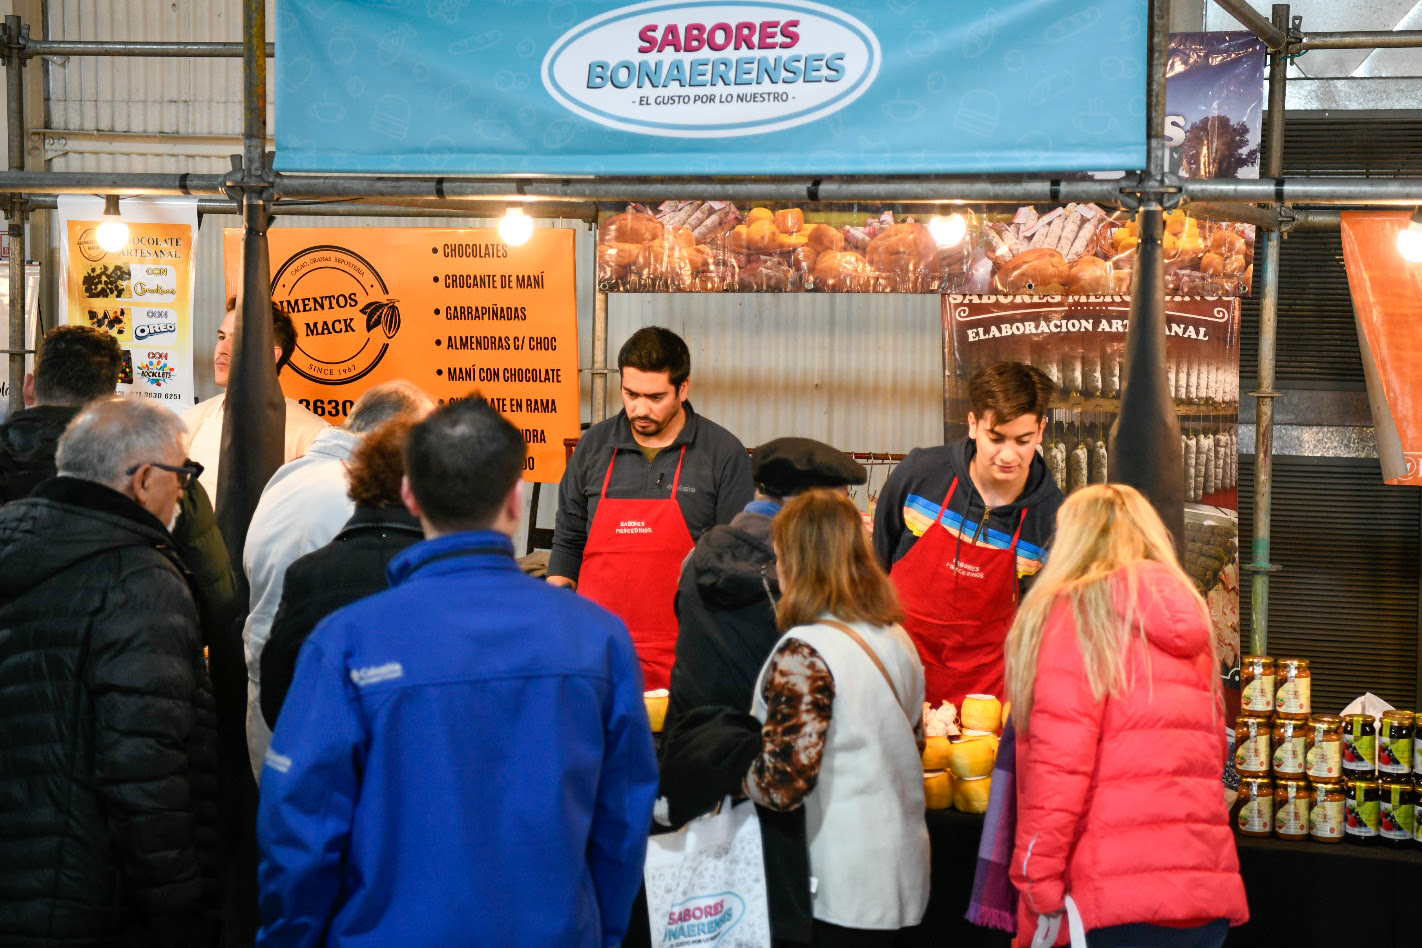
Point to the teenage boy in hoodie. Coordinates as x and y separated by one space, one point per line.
960 526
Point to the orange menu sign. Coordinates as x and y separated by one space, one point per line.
1385 290
453 311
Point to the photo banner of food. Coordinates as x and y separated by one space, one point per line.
1212 129
454 311
141 293
1080 344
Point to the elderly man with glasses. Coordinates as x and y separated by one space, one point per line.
108 764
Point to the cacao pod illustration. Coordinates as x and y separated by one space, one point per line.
382 313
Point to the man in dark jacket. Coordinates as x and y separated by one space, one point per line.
107 752
640 489
725 603
77 364
350 567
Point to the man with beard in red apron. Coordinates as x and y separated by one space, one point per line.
960 525
639 490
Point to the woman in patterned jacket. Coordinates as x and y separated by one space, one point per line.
841 700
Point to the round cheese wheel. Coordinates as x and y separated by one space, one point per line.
971 795
981 713
973 756
936 753
938 790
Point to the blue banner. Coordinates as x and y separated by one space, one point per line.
677 87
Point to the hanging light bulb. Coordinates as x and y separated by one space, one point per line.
112 234
948 231
516 227
1409 239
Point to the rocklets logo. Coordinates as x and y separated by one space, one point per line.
343 311
156 369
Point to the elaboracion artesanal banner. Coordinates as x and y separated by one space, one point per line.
730 87
453 311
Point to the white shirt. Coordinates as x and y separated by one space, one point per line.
204 424
303 507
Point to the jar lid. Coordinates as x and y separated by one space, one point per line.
1326 720
1257 660
1294 662
1404 717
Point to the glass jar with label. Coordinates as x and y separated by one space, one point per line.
1291 809
1396 819
1256 678
1417 810
1254 807
1290 741
1395 742
1294 697
1324 759
1360 744
1326 812
1253 757
1360 813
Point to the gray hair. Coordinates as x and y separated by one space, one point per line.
115 433
385 402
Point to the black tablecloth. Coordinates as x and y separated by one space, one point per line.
1302 895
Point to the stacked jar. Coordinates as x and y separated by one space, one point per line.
1290 761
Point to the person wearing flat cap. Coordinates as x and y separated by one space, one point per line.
725 604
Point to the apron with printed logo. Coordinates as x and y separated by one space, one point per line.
631 565
959 600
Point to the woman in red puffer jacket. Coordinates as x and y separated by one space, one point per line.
1112 675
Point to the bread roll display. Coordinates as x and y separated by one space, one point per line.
1070 250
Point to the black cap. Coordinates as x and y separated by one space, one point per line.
787 466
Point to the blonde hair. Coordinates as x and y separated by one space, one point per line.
1100 529
826 564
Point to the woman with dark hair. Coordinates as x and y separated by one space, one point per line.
841 700
1121 817
350 567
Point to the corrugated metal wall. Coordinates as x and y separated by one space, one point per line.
863 372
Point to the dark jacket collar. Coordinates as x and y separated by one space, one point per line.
367 519
624 438
91 495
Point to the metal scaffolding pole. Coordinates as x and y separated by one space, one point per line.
15 209
1255 22
533 193
33 48
1260 566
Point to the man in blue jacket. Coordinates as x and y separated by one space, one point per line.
463 759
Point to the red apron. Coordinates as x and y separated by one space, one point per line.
631 565
959 600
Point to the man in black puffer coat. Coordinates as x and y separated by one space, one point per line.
108 763
725 603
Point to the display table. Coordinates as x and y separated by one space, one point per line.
1300 894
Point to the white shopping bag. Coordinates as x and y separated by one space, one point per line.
706 882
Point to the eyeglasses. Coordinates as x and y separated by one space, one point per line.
187 473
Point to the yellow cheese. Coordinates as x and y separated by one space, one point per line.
938 790
936 752
971 795
656 702
973 756
981 713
